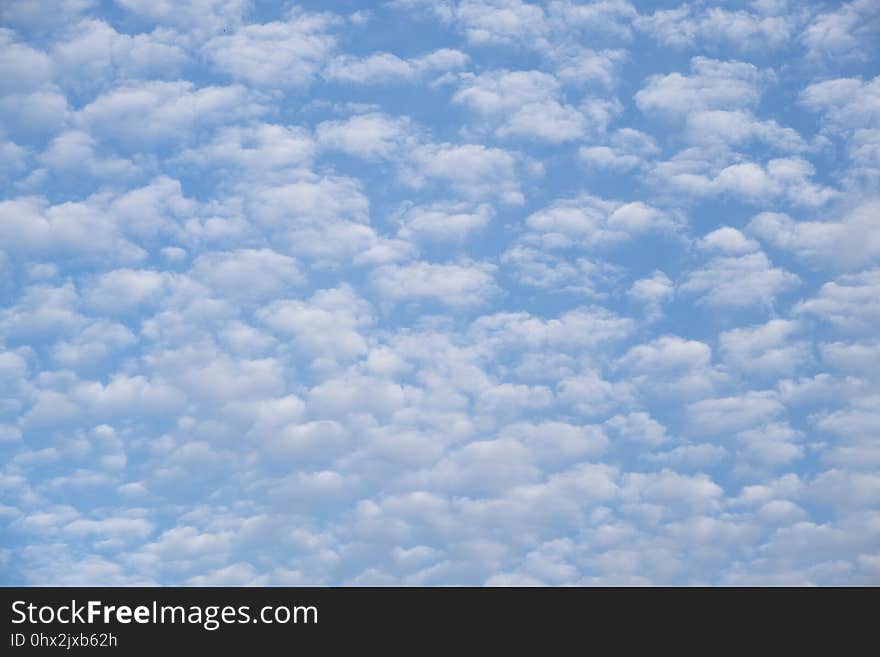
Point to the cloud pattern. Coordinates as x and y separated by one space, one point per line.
440 292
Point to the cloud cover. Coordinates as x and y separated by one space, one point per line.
289 298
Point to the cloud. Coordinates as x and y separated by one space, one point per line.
591 221
739 281
693 173
712 85
499 21
247 273
848 302
670 366
443 221
474 170
95 54
325 219
628 149
716 27
843 32
848 108
653 291
852 242
76 151
848 102
326 326
733 413
148 113
275 55
728 241
387 68
256 150
521 104
561 293
202 17
22 68
557 274
371 136
767 348
457 285
737 127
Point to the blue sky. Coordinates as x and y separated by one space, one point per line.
438 293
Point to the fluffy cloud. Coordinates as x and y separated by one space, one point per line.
496 297
474 170
452 284
683 26
739 281
842 32
522 104
711 85
274 55
849 243
153 112
383 67
592 221
369 136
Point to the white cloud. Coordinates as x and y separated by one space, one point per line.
521 104
639 428
35 113
153 112
369 136
275 55
739 281
22 68
607 18
849 302
75 152
456 285
851 242
862 358
443 221
670 367
202 17
712 85
848 102
591 221
682 27
734 413
628 150
386 68
558 274
121 290
843 33
652 291
499 21
254 150
668 354
325 219
28 225
692 172
247 274
96 54
728 241
474 170
769 348
738 127
579 329
326 326
487 298
849 107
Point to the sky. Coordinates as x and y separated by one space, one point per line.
436 292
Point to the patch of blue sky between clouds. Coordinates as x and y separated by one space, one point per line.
450 292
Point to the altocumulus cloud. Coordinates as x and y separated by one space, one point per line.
571 292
